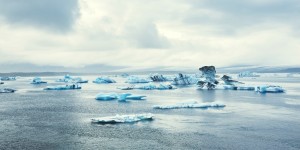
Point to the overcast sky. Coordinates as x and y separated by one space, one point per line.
150 33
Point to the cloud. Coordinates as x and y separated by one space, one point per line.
51 14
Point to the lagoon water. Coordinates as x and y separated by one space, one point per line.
35 119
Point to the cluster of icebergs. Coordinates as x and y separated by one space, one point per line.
149 87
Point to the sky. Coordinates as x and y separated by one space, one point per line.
149 34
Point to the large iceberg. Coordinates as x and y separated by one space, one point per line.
7 90
123 118
121 97
269 89
181 79
157 78
190 105
64 87
8 78
134 79
100 80
69 79
247 74
37 80
209 75
229 81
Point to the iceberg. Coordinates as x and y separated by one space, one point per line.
228 80
64 87
234 87
209 75
121 97
154 87
7 90
247 74
8 78
69 79
157 78
190 105
134 79
37 80
269 89
100 80
123 118
181 79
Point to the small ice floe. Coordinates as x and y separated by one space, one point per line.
234 87
7 90
100 80
158 78
121 97
182 79
37 80
8 78
134 79
155 87
64 87
269 89
190 105
123 118
247 74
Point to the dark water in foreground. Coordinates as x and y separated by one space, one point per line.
37 119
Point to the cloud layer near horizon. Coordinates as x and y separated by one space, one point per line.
145 33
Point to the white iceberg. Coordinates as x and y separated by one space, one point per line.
247 74
190 105
64 87
269 89
181 79
37 80
134 79
123 118
100 80
7 90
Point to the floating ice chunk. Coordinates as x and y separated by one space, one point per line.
37 80
181 79
157 78
100 80
69 79
189 105
63 87
134 79
269 89
155 87
123 118
209 75
247 74
234 87
79 80
108 96
7 90
8 78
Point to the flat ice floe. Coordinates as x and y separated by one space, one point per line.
269 89
63 87
121 97
123 118
190 105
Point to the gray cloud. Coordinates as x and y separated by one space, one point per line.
58 15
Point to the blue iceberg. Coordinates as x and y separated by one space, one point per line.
134 79
7 90
269 89
100 80
37 80
123 118
190 105
121 97
8 78
64 87
69 79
